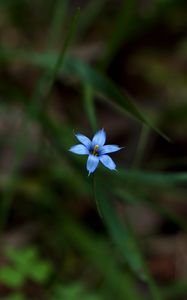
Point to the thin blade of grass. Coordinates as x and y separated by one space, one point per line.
42 90
128 196
120 233
152 179
88 97
99 254
57 22
45 85
91 11
125 241
88 75
140 150
122 28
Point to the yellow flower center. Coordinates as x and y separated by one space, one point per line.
95 150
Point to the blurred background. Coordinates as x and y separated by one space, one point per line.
78 66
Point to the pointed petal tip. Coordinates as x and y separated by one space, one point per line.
70 149
92 163
108 162
83 139
79 149
109 149
121 148
99 137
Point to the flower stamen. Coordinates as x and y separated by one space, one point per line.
95 150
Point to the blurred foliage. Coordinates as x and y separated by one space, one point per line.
24 264
79 66
74 291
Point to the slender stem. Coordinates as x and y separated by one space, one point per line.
45 85
57 22
67 41
95 195
155 293
88 97
144 134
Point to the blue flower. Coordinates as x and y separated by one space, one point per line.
96 150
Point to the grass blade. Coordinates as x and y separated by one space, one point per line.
88 97
88 75
121 30
42 90
125 241
120 282
152 179
128 196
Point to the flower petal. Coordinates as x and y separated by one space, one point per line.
79 149
99 138
92 163
109 149
107 162
83 139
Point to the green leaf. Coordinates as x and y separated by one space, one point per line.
28 263
40 272
22 258
11 277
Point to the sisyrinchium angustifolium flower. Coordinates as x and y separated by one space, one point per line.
96 150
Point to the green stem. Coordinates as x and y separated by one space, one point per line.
95 195
153 289
88 96
141 146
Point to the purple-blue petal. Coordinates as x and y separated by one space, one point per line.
109 149
107 162
83 139
79 149
99 138
92 163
